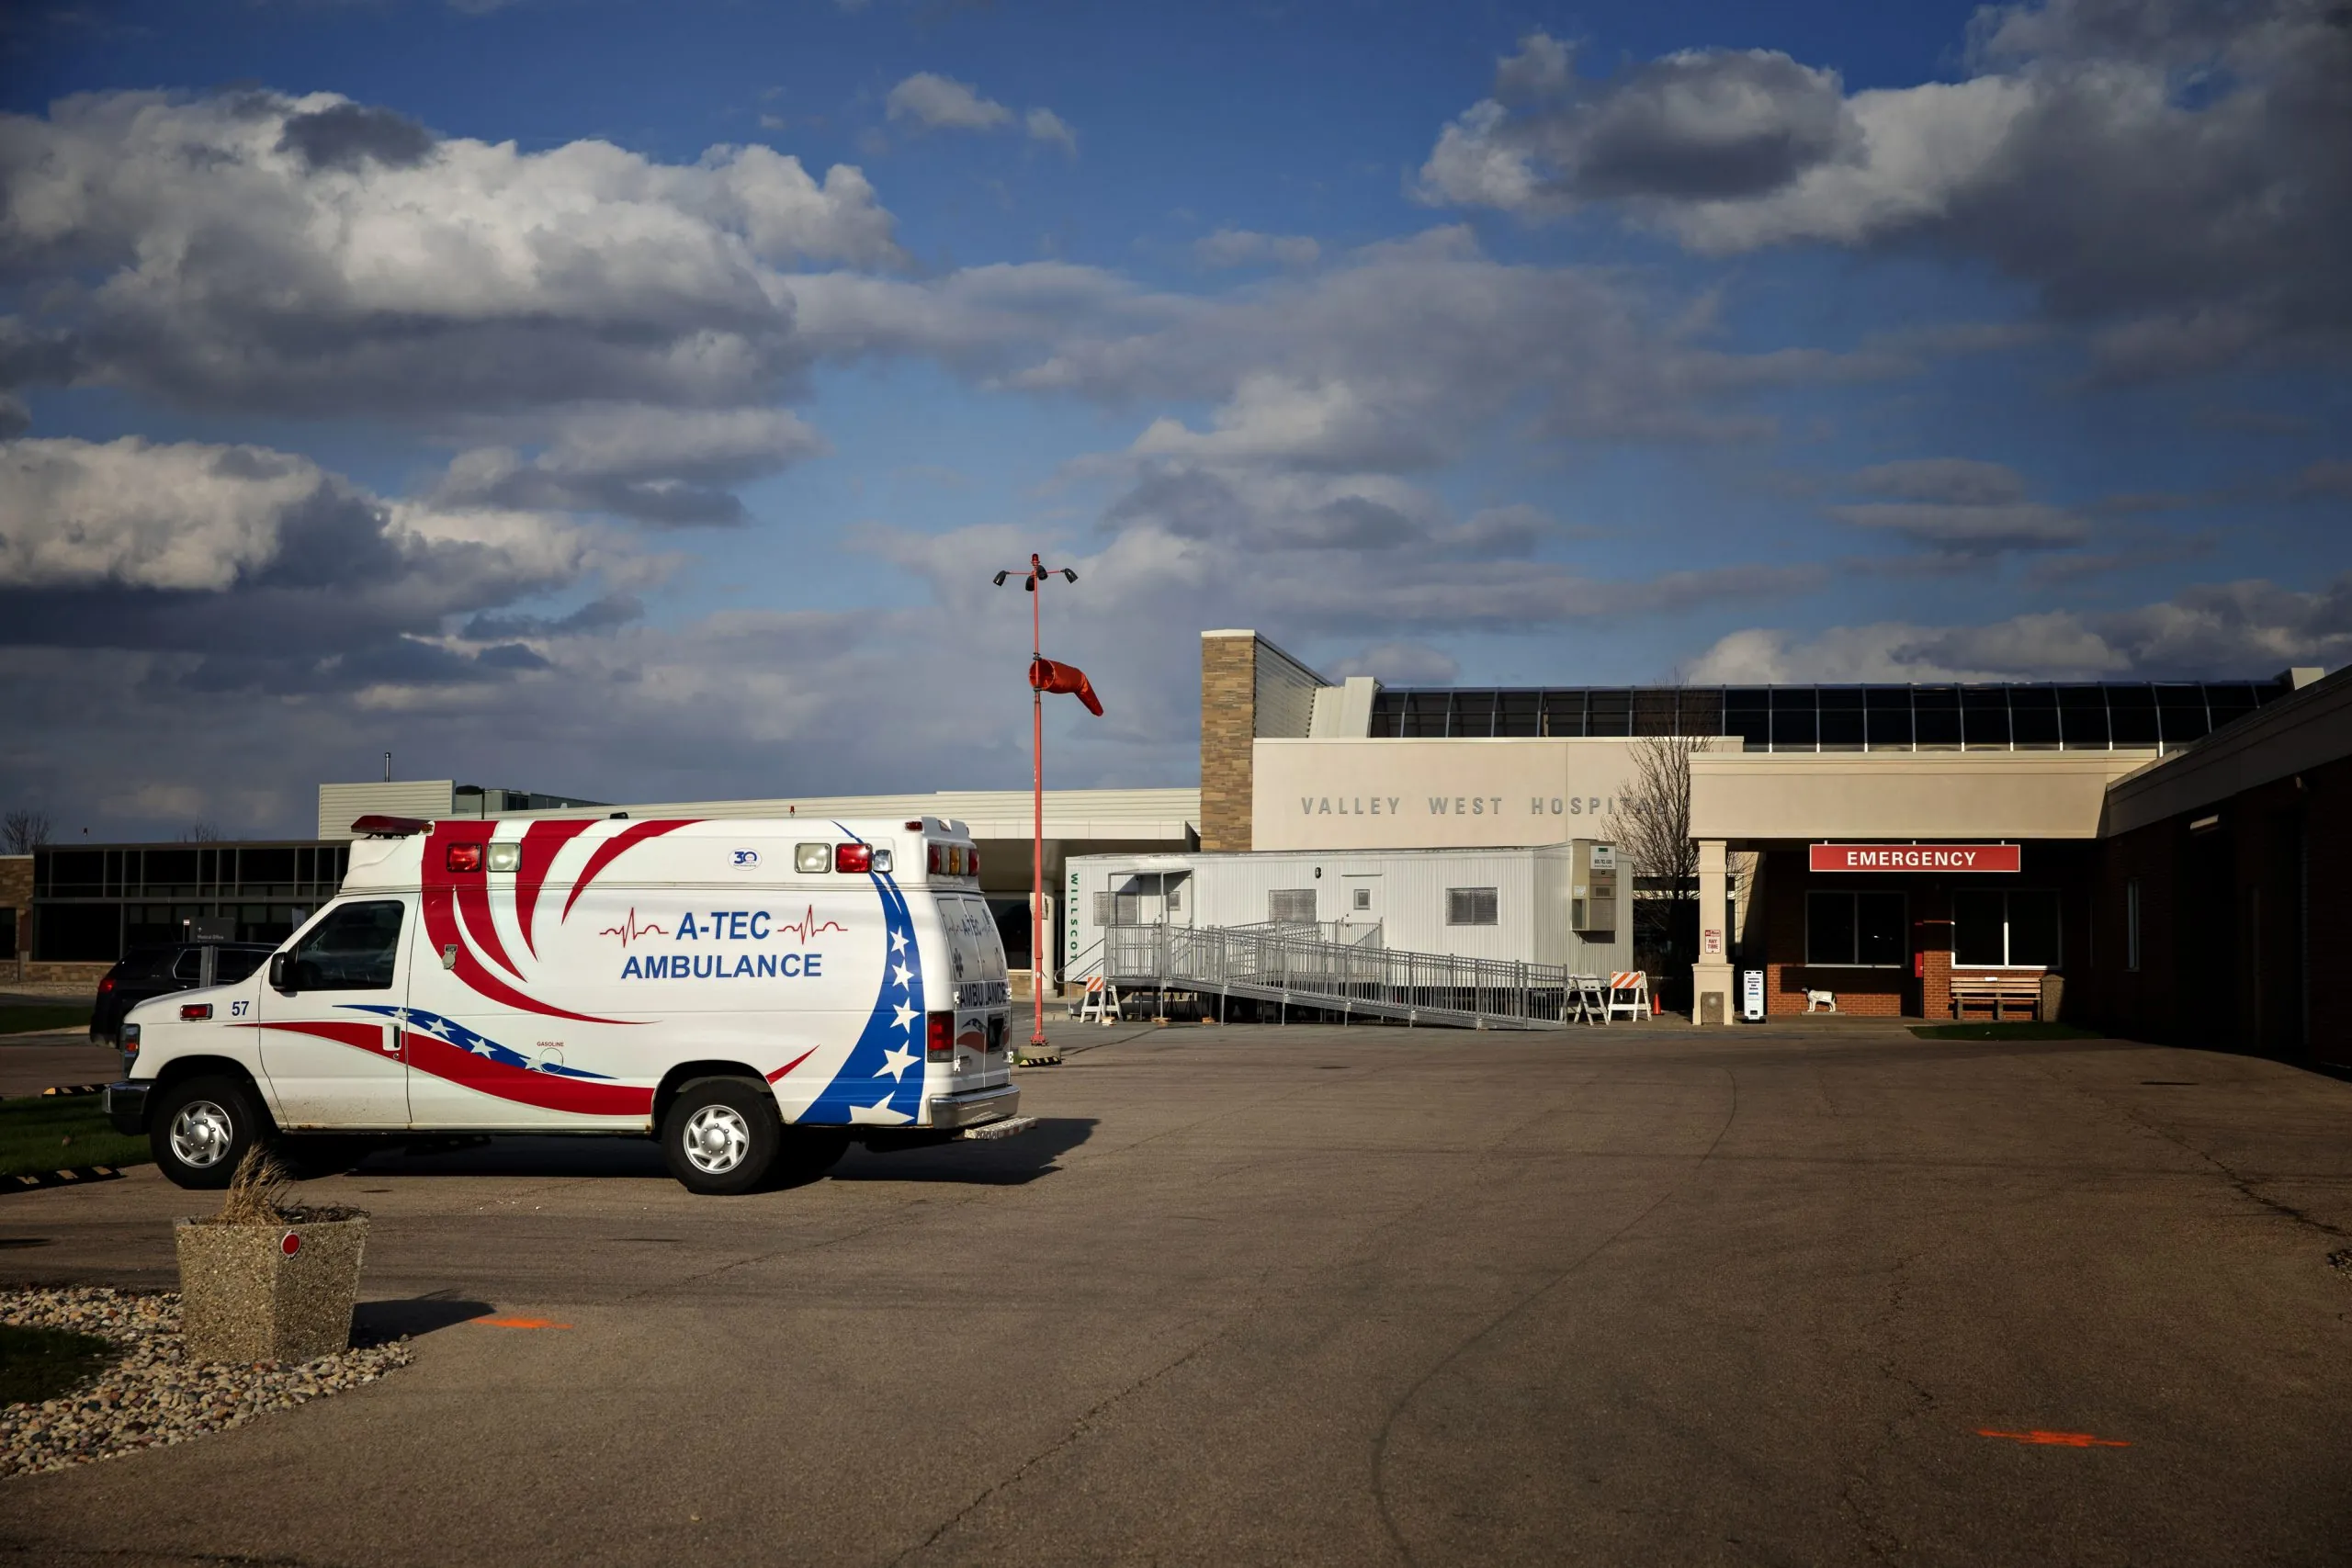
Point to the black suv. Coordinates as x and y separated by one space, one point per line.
158 971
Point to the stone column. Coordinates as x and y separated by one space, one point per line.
1229 724
1712 994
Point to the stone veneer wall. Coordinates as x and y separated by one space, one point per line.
1228 724
16 893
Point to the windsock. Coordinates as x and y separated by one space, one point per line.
1044 676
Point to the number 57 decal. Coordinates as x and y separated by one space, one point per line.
237 1009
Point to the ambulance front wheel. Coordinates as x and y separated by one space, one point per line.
201 1127
720 1135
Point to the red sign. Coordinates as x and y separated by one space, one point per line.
1915 857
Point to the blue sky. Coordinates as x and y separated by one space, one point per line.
633 400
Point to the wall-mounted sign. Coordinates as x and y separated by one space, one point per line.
1915 857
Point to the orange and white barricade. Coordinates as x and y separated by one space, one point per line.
1629 994
1099 1003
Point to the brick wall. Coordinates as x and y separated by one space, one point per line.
56 971
1921 986
2327 866
1228 723
2221 961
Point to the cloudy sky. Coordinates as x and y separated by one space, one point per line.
633 401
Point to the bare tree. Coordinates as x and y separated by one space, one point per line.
1652 826
21 832
201 832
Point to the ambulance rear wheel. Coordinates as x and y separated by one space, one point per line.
720 1135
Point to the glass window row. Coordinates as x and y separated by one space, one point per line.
2098 716
209 870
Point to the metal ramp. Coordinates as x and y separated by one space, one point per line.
1339 968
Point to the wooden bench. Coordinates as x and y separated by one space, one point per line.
1993 989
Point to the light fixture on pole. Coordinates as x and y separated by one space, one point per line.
1044 676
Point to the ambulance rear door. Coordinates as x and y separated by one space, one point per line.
983 1039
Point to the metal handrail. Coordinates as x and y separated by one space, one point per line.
1292 962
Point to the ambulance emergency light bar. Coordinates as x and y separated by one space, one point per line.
808 860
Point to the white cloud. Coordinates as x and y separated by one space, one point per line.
2250 629
258 559
306 255
1695 125
1971 529
656 466
1399 664
1240 247
134 515
1045 125
2171 174
933 102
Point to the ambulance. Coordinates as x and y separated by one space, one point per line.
755 994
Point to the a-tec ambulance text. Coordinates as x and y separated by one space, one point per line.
754 993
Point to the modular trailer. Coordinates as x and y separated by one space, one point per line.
1514 905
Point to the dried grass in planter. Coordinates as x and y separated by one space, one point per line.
265 1279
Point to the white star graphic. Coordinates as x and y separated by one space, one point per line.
897 941
906 1018
879 1113
898 973
484 1048
896 1061
436 1026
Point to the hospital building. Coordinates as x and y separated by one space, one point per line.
2163 860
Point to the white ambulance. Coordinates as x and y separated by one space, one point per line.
757 993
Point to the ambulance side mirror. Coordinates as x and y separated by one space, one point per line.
281 972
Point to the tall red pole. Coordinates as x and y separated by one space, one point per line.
1038 957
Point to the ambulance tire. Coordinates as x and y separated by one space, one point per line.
201 1127
720 1135
808 1153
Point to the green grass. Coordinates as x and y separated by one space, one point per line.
22 1018
2023 1031
37 1134
42 1363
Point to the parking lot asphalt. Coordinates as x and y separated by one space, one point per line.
31 1062
1784 1294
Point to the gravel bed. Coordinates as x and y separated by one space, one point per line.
152 1397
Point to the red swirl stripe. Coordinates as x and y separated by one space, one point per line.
612 848
541 842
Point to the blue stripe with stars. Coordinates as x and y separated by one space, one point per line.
881 1084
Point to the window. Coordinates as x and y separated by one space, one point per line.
1855 930
355 948
2004 929
1361 899
2132 925
1291 906
1472 906
233 964
189 967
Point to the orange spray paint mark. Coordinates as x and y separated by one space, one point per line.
2056 1440
519 1323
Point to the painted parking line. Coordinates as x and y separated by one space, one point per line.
519 1323
2056 1440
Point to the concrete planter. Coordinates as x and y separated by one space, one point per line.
281 1291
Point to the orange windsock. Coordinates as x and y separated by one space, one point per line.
1045 675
